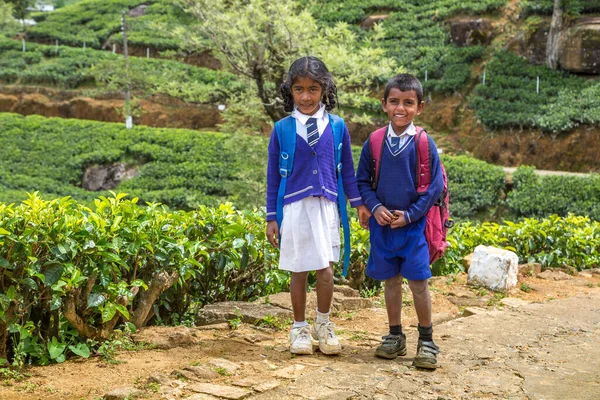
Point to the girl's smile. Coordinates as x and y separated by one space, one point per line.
307 94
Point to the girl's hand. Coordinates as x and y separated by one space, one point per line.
383 216
399 220
363 216
273 233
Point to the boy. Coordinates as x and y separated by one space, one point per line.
398 245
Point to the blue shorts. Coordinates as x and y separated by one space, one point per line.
400 251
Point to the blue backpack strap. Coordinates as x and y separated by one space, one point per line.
337 126
286 136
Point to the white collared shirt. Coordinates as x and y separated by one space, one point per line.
408 133
321 116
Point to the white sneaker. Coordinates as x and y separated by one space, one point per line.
300 341
328 341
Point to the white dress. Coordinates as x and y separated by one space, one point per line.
310 235
310 231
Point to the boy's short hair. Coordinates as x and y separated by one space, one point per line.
404 83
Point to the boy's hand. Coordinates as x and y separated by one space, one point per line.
363 216
273 233
383 216
399 220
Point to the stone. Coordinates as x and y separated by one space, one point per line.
530 269
468 311
106 177
513 302
438 318
266 386
346 291
554 275
257 383
228 366
222 326
250 313
371 20
291 372
466 261
166 337
138 11
180 373
594 271
585 274
494 268
466 302
469 32
223 391
202 372
201 396
161 379
580 50
125 393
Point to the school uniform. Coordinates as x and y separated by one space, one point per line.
403 250
310 231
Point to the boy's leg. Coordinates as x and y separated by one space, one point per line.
300 341
394 344
427 351
323 330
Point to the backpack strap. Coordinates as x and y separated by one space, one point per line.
286 136
424 161
337 127
376 140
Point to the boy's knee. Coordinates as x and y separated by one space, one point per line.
418 287
395 281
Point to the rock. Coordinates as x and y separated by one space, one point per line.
437 281
494 268
202 372
291 372
223 391
553 275
138 11
105 177
189 375
161 379
125 393
438 318
222 326
531 44
594 271
513 302
166 337
580 50
228 366
474 311
466 262
585 274
257 383
248 312
469 31
462 292
466 302
346 291
530 269
371 20
201 396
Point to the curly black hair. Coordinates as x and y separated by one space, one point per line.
313 68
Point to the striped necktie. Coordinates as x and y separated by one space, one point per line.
312 132
395 144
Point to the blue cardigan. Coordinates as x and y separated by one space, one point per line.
396 189
313 173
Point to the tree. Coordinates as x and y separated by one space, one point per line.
556 27
258 39
8 25
20 8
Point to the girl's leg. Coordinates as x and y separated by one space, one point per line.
298 294
324 289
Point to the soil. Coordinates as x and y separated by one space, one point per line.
541 341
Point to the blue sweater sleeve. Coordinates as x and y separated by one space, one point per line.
426 201
273 177
348 177
363 177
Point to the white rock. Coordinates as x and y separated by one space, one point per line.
494 268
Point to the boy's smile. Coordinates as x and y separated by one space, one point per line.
401 108
307 94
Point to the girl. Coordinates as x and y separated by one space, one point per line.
310 233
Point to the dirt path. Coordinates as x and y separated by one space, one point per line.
539 344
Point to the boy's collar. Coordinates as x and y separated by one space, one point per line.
410 130
303 118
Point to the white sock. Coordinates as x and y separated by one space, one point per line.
299 324
322 317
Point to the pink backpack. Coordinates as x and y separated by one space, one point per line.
438 217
